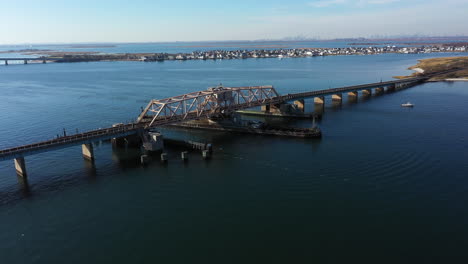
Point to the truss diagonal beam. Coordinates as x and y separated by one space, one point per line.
207 103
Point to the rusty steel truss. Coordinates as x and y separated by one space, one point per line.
212 102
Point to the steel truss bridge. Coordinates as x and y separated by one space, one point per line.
198 105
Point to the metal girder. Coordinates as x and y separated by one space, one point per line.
211 102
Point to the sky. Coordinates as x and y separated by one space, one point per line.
84 21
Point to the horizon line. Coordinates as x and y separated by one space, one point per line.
242 41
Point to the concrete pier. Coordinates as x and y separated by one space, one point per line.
391 88
206 154
118 142
265 108
6 63
144 159
163 157
379 90
337 97
20 167
319 100
184 155
367 92
353 97
25 62
300 105
88 151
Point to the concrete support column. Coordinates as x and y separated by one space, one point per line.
337 97
300 105
352 97
265 108
6 62
164 157
319 105
391 88
88 151
25 62
379 90
20 167
319 100
184 155
206 154
144 159
118 142
367 92
44 61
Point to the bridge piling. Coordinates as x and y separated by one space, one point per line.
379 90
300 105
352 97
391 88
319 100
6 62
337 98
88 151
25 61
144 159
184 155
266 108
20 167
367 92
163 157
206 154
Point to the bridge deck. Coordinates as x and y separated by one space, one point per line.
132 128
29 59
63 142
350 88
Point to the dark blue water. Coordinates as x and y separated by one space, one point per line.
385 184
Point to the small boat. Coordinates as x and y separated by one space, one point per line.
408 104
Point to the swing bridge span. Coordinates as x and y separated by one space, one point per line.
209 103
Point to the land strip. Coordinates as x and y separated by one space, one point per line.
75 56
457 65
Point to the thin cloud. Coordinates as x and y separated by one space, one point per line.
380 2
327 3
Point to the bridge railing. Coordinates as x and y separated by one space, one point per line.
72 138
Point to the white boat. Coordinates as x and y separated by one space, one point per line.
408 104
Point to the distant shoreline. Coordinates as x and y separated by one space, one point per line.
219 54
256 53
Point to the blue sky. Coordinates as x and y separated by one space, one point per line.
54 21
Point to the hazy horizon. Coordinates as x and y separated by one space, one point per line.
392 38
54 21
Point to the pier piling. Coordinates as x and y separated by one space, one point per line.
163 157
367 92
379 90
319 100
206 154
337 98
144 159
88 151
20 167
184 155
300 105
